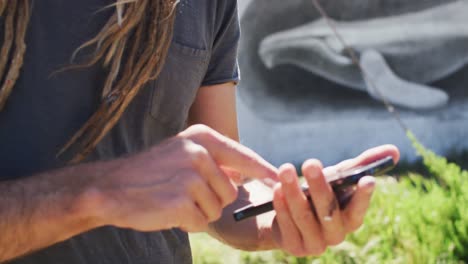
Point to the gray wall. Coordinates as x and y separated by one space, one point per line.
288 115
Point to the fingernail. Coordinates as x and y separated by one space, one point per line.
313 174
268 182
287 177
369 186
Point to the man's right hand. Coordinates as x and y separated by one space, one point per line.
181 183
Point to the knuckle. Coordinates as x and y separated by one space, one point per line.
180 204
179 143
297 197
197 154
184 148
306 217
199 127
191 130
230 195
184 203
213 211
196 216
201 130
216 214
193 183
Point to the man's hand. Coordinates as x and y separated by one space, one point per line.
181 183
301 232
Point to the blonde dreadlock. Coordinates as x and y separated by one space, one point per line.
140 29
20 12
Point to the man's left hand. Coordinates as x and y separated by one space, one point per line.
301 232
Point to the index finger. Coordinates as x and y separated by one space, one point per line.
365 158
229 153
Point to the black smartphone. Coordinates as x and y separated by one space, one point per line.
342 183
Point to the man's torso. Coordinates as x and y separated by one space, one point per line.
45 110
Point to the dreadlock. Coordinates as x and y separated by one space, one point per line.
139 29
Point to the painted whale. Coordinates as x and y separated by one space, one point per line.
399 54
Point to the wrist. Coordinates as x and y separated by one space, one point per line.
90 203
98 203
87 208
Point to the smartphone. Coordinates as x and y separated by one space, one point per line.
342 183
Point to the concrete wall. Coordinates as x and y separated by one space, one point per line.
288 115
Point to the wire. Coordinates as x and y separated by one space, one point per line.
354 58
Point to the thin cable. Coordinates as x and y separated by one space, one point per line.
354 58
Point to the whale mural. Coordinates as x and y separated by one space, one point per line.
292 107
399 53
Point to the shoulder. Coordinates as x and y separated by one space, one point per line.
198 22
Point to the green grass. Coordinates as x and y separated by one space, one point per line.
421 218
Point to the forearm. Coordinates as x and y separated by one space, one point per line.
41 210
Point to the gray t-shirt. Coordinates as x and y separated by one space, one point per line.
44 111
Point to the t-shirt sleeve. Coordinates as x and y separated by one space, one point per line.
223 66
